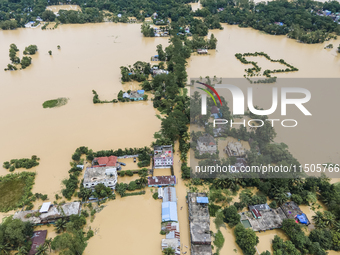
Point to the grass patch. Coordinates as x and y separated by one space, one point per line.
134 194
55 102
15 190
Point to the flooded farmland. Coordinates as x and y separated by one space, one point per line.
89 58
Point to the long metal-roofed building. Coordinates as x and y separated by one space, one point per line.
169 194
199 224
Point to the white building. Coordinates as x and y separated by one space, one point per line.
105 175
163 156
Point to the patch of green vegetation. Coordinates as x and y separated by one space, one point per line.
21 163
15 190
55 102
255 71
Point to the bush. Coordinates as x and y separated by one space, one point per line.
231 216
273 205
129 173
155 195
31 50
85 213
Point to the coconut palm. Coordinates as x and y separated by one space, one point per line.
48 243
41 249
168 251
21 251
60 225
280 196
317 218
336 226
328 218
5 249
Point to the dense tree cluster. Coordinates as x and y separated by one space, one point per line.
15 235
21 163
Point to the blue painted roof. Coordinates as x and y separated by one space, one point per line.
169 211
140 91
202 200
302 218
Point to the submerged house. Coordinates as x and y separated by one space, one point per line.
169 194
202 51
215 112
206 144
137 95
169 212
162 181
163 156
199 224
235 150
38 239
105 175
49 213
111 161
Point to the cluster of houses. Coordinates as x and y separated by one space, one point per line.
262 217
49 213
335 16
199 224
137 95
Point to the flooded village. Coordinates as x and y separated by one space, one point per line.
169 211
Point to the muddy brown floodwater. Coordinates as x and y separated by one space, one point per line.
89 58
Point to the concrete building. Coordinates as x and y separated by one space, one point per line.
162 181
206 144
173 243
199 224
235 150
105 175
137 95
163 156
53 213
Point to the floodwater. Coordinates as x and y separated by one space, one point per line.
315 139
89 58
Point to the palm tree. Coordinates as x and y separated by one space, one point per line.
48 243
336 226
5 249
41 249
60 225
318 218
21 251
328 218
168 251
280 196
